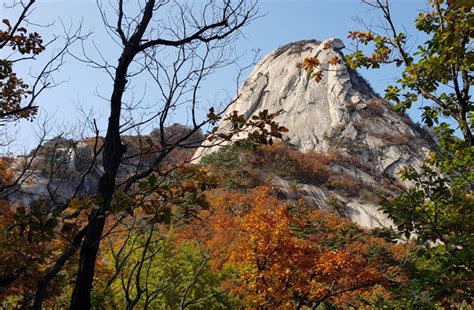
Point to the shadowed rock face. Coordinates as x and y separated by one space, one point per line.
341 113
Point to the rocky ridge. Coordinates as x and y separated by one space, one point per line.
341 114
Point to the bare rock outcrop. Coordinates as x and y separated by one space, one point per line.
340 114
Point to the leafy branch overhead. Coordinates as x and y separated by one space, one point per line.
439 70
314 66
13 90
261 128
436 209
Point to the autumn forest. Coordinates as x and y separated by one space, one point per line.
305 190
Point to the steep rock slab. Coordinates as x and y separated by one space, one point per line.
340 113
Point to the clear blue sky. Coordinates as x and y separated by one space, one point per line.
283 21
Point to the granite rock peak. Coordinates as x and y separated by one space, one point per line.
340 114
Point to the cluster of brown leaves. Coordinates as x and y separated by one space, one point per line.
13 90
287 257
261 128
21 40
360 36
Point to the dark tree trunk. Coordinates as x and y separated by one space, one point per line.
466 131
113 152
112 156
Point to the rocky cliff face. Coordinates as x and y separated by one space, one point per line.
62 168
340 114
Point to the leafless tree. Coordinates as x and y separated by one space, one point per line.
178 44
142 37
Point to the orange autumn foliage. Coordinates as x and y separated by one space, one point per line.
286 257
215 228
6 174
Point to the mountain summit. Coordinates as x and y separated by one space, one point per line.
341 115
341 112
